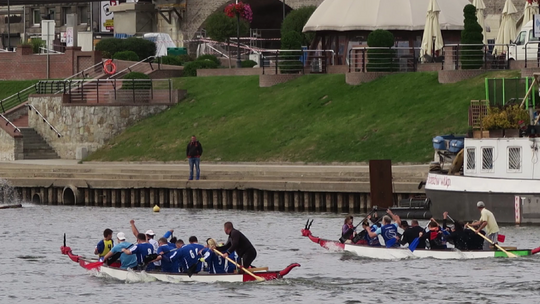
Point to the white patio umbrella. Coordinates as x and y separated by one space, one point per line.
529 11
432 39
507 29
480 7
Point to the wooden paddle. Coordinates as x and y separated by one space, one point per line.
500 237
509 254
260 279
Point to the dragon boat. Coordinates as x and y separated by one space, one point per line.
259 274
404 253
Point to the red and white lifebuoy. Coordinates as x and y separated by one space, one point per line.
109 67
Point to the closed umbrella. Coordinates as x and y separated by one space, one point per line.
507 29
432 38
528 13
480 7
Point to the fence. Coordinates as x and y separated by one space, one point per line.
102 91
296 61
476 56
17 98
502 91
384 59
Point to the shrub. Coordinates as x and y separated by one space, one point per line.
471 56
190 68
295 22
172 60
136 85
248 63
186 58
126 55
37 43
144 48
289 62
111 46
209 57
381 60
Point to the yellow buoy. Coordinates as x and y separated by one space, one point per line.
156 208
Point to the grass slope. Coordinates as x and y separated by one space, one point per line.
315 118
10 87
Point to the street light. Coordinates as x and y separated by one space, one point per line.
9 26
238 60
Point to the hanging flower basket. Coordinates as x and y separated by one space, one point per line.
239 9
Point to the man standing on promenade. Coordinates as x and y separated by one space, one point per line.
193 152
487 220
239 242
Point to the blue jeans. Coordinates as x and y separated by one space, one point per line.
194 161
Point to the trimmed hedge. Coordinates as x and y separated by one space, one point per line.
248 63
142 47
126 55
136 85
381 60
209 57
190 68
169 59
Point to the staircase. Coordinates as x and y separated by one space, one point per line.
34 146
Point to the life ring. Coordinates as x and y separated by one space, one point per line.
112 69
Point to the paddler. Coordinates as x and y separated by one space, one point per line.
348 230
127 261
487 220
387 230
104 246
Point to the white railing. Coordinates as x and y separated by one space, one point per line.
15 129
132 67
31 107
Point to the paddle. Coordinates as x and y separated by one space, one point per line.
500 237
391 242
509 254
347 235
239 266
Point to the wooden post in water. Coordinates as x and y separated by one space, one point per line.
205 199
265 200
124 199
317 202
380 179
351 203
215 199
340 203
152 197
328 202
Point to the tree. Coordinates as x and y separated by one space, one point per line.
221 28
471 56
295 21
381 60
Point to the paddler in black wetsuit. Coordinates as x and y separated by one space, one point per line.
238 242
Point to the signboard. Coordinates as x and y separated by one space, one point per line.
536 26
47 33
69 36
107 22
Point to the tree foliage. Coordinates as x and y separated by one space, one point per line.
381 60
295 22
126 55
471 56
221 27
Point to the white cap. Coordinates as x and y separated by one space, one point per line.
150 232
480 204
121 236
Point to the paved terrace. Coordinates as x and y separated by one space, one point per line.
275 177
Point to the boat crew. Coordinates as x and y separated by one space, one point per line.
410 233
167 254
368 240
387 230
141 251
189 255
239 242
487 220
127 261
348 229
434 236
216 264
104 246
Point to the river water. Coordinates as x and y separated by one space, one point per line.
34 271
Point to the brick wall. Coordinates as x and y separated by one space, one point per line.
452 76
358 78
529 72
337 69
271 80
23 65
229 72
429 67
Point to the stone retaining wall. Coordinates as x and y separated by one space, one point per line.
84 126
453 76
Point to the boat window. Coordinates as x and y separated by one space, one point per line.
514 158
471 159
487 158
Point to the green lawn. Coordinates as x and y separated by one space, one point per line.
315 118
10 87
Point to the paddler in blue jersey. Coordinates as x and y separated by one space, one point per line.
167 255
104 246
127 261
216 264
141 251
369 240
189 255
387 230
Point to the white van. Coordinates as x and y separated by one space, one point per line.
162 41
525 42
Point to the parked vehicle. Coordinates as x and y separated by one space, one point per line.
525 46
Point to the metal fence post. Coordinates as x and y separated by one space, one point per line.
363 60
170 91
457 57
97 90
349 55
133 89
261 62
276 61
526 54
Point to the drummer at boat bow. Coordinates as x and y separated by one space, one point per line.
238 242
487 220
387 230
105 245
127 261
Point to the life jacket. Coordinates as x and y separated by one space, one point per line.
108 245
372 241
388 232
436 238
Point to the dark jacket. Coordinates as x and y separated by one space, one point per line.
194 149
410 234
238 242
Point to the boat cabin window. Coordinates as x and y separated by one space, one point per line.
471 159
514 159
487 159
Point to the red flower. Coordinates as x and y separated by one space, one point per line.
239 9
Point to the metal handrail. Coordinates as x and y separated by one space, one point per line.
45 120
49 51
17 95
132 66
10 123
83 72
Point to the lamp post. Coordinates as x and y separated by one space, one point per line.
283 11
9 26
238 60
